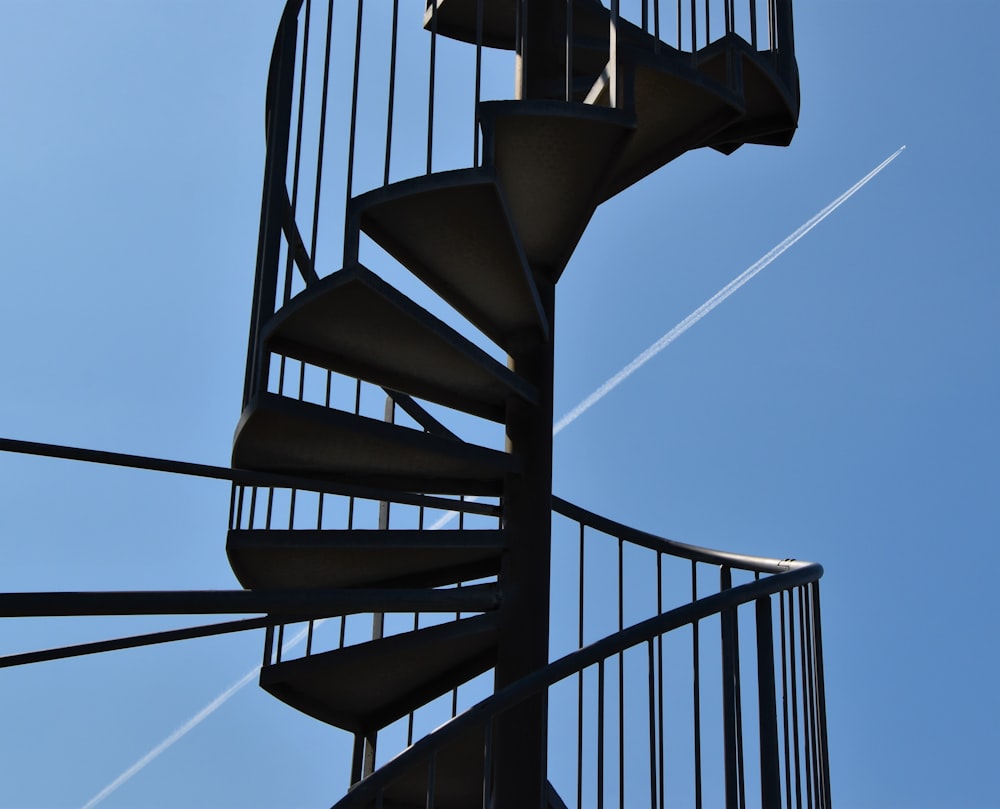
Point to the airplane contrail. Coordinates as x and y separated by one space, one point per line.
558 427
193 722
716 299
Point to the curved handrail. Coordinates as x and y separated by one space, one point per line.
695 553
794 575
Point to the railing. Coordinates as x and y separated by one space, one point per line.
712 701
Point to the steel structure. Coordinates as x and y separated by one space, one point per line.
352 496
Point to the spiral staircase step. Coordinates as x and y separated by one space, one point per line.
355 323
369 685
677 108
453 231
294 559
279 434
771 114
550 158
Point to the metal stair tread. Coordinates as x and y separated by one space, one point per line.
550 158
453 231
355 323
327 559
279 434
369 685
677 109
770 109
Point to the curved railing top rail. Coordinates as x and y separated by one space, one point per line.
739 561
794 574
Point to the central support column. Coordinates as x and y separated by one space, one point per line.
521 734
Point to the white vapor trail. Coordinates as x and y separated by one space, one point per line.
716 299
192 723
559 426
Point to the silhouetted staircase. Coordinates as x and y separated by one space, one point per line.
482 239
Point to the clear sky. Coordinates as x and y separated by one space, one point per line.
839 408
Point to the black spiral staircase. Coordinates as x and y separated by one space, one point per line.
601 103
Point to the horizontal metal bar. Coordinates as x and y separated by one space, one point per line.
134 641
246 477
304 603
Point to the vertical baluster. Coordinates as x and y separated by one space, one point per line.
569 50
253 507
279 112
479 81
795 700
392 90
806 698
235 515
694 29
659 663
314 236
268 645
621 676
614 89
287 287
281 639
651 677
656 26
353 132
770 776
270 507
431 773
708 25
357 411
600 734
821 697
430 87
784 703
696 658
488 764
753 24
579 682
235 508
731 764
738 686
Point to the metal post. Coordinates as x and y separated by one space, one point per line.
770 773
521 734
729 698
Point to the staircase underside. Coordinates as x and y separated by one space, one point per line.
453 231
372 684
354 323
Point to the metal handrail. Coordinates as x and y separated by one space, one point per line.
794 574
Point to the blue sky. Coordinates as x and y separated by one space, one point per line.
840 408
